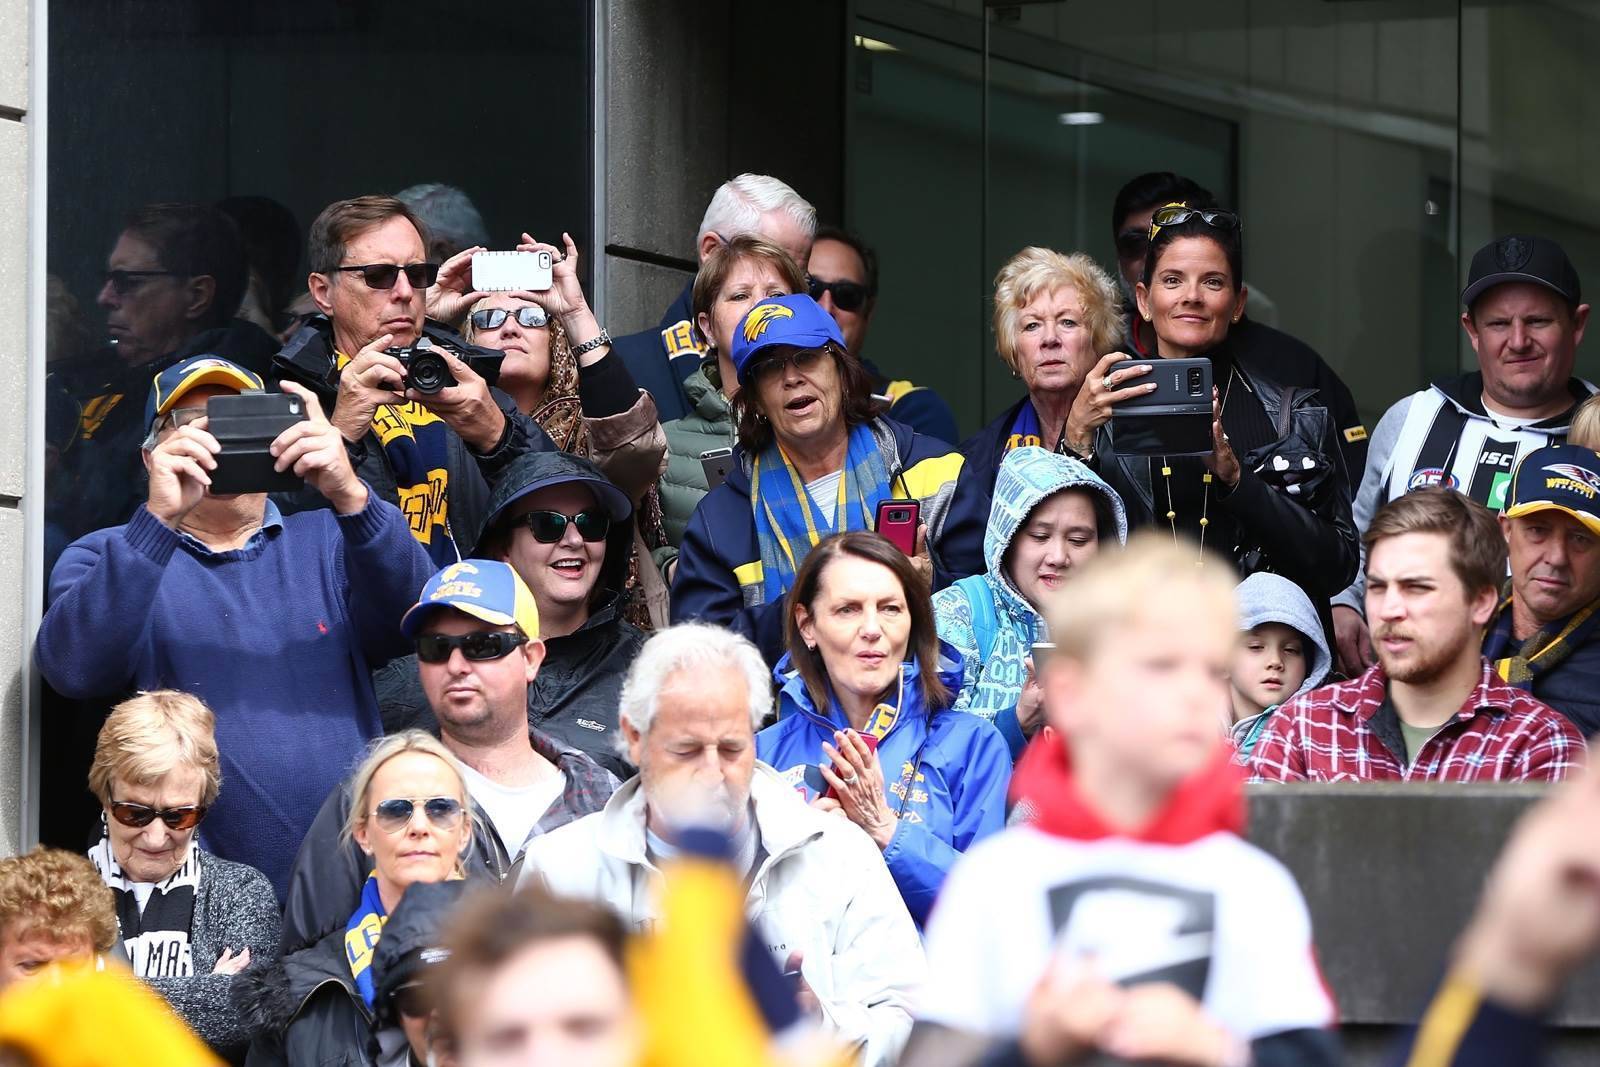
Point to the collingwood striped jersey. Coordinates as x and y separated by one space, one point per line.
1443 436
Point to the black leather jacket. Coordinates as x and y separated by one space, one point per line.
307 1011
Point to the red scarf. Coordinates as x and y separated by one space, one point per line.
1211 799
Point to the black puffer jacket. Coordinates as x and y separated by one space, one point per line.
306 1010
575 697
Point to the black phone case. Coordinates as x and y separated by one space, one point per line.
245 426
1175 420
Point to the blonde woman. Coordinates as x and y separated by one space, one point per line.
411 815
187 921
1055 317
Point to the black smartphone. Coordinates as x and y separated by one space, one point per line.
716 463
1172 420
245 425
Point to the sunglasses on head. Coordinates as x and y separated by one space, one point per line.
847 296
384 275
1178 214
123 282
484 645
395 814
548 527
530 317
142 815
412 1000
805 361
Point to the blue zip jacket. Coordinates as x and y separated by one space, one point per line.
957 789
719 578
657 369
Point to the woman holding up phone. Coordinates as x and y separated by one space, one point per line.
864 727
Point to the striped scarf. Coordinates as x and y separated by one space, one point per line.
788 524
361 938
1521 663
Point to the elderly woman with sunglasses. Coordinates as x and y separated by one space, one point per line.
584 398
187 921
409 813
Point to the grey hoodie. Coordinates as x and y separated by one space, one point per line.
1265 597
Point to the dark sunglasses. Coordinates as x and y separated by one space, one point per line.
805 361
384 275
1133 242
412 1000
142 815
530 317
548 527
123 282
848 296
394 815
1177 215
484 645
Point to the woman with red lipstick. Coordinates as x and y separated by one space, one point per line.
863 725
1273 494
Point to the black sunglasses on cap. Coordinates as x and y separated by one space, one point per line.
548 527
530 317
848 296
384 275
412 1000
480 646
395 814
142 815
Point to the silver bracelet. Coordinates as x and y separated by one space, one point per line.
602 338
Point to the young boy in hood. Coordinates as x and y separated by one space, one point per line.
1281 653
1127 918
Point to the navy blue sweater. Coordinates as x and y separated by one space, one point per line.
276 637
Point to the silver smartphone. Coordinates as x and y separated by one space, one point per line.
716 463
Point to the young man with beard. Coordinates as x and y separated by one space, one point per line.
1432 708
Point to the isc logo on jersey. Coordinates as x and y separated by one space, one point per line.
1428 477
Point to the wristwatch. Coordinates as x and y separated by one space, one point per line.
597 341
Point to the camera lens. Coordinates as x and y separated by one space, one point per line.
1194 381
429 373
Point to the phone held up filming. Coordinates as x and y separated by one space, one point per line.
1172 420
504 272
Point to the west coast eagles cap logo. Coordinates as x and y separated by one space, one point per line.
756 323
1572 477
1512 253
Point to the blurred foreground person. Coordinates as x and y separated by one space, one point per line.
77 1016
1126 920
53 908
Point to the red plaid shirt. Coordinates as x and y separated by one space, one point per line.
1336 734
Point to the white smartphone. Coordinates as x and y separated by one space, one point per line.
499 272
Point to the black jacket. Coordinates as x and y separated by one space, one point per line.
964 527
574 699
307 1011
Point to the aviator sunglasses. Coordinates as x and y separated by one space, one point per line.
394 815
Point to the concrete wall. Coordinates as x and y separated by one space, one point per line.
15 129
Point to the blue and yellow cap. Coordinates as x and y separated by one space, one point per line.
1562 478
170 385
483 588
797 321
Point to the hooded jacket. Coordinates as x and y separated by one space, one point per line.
1183 899
993 671
1443 435
820 890
1267 598
719 578
945 774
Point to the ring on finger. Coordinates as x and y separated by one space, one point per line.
852 780
1105 383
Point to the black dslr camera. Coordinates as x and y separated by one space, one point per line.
427 370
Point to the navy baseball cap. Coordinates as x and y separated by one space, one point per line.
170 385
1557 478
486 589
796 321
1520 258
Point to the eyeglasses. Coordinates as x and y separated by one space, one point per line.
384 275
548 527
394 815
142 815
179 418
847 296
412 1000
480 646
123 282
529 317
804 360
1178 214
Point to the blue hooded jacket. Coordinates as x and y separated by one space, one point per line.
957 788
995 640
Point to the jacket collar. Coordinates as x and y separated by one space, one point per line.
893 440
1362 697
797 697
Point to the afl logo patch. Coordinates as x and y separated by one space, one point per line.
1428 477
1512 252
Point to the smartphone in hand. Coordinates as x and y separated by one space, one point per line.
898 521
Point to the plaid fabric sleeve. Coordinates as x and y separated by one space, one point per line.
1556 750
1277 756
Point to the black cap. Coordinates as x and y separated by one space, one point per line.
1520 258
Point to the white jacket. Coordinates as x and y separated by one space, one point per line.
821 889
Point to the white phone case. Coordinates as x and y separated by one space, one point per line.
498 272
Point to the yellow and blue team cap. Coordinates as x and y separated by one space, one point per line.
794 321
170 385
1563 478
482 588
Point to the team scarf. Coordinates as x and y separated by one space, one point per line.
361 938
1520 664
156 938
1026 431
416 442
788 523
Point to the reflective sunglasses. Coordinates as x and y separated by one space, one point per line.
530 317
123 282
1178 214
412 1000
384 275
848 296
179 418
394 815
805 361
548 527
142 815
481 646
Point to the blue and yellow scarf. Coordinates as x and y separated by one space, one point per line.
361 938
788 524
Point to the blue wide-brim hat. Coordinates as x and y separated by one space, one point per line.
795 321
